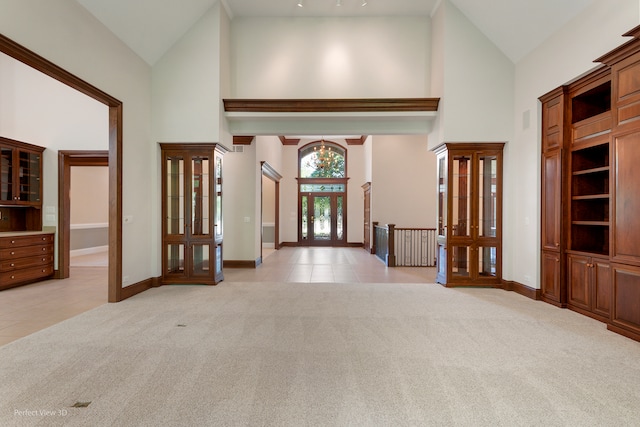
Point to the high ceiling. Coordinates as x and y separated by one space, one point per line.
150 27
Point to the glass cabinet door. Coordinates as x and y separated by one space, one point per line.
442 195
200 201
469 213
200 255
175 259
487 261
192 215
29 177
174 193
461 195
217 221
6 174
487 196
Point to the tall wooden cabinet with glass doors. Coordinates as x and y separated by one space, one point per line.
469 214
192 213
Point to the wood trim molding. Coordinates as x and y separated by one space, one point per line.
50 69
67 159
243 139
524 290
289 141
241 263
356 141
137 288
43 65
330 105
270 172
624 50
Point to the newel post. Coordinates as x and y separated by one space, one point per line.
391 246
374 243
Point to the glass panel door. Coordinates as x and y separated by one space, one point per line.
304 212
321 218
339 218
175 210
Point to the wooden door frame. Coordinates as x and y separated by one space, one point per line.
333 196
366 242
269 172
37 62
67 159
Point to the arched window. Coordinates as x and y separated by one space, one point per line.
322 159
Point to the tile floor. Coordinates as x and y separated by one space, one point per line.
27 309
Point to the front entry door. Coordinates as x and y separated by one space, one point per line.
322 219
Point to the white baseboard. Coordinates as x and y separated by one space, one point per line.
268 245
89 251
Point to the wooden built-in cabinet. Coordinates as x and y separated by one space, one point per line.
589 281
26 253
590 198
192 232
25 257
20 186
469 214
554 132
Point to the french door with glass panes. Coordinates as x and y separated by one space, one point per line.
192 213
322 218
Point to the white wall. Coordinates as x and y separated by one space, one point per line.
186 85
37 109
566 55
241 177
89 195
66 34
474 79
331 57
403 186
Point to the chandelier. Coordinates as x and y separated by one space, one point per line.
324 157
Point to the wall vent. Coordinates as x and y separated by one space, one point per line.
238 148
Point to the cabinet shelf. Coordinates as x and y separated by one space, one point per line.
603 169
592 197
594 223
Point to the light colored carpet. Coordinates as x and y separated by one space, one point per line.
283 354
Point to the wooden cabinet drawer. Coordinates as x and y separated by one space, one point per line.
34 261
11 278
25 251
30 240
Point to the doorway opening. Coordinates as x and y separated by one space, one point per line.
270 210
84 160
50 69
322 194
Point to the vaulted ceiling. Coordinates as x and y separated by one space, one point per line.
150 27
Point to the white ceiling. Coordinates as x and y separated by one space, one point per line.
151 27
